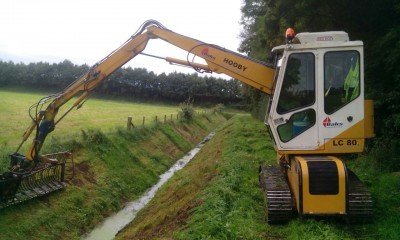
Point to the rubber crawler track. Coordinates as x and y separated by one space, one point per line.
277 193
360 203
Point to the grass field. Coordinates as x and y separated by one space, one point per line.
95 113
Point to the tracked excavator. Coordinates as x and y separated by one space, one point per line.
316 114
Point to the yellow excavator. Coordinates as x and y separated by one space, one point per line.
316 113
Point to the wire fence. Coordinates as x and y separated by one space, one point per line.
166 118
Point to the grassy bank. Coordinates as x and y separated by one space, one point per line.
217 196
110 169
174 202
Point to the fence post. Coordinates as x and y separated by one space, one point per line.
165 118
143 120
171 117
129 124
156 119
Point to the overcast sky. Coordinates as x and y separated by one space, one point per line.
85 31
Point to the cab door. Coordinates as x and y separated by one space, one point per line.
294 107
342 100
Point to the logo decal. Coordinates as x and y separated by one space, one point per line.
204 52
329 124
326 121
325 38
235 64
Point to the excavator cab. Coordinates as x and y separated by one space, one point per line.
318 103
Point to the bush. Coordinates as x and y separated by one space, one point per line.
94 137
187 111
218 108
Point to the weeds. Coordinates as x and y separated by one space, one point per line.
186 111
218 108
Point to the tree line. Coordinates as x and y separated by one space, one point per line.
137 83
374 22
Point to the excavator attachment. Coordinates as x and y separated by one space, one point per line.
42 179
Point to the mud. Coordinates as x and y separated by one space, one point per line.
82 174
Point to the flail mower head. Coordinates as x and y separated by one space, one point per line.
40 179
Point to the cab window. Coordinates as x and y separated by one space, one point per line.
341 79
298 87
298 123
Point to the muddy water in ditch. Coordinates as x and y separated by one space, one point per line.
113 224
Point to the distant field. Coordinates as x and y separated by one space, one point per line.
95 113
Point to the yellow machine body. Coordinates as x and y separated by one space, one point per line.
318 184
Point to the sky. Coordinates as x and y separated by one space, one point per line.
85 31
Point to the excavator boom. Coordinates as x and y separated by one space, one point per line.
219 60
252 72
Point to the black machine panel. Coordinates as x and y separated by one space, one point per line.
323 177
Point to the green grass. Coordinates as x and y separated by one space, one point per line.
216 196
385 188
112 165
95 113
174 201
110 169
232 205
221 198
106 115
